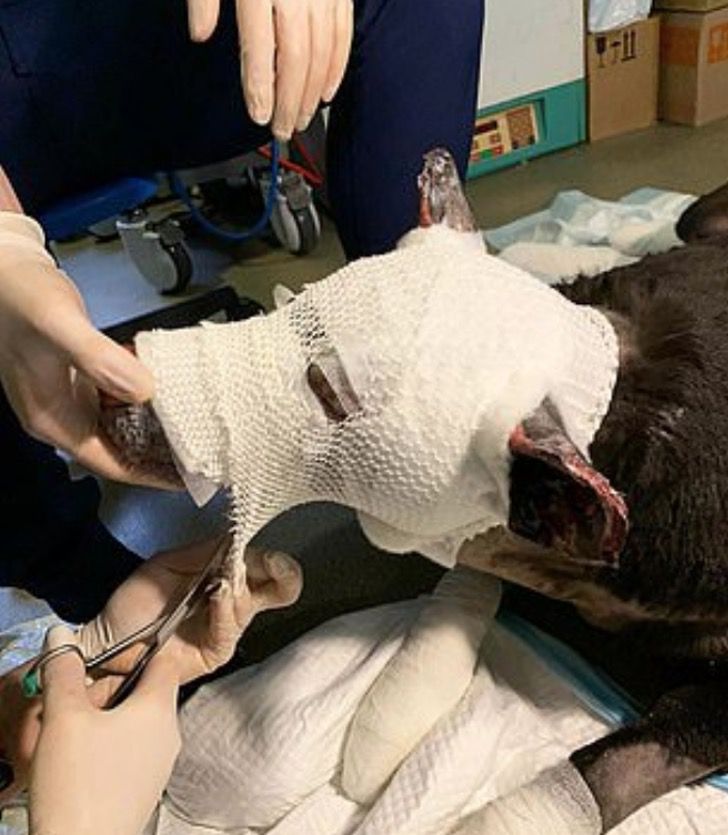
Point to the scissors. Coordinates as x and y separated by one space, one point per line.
155 634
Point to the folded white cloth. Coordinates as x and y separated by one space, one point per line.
516 720
582 235
264 749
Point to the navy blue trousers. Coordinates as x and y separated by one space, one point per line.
91 91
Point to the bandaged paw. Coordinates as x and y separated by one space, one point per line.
259 742
421 683
557 802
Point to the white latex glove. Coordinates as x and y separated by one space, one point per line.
201 644
98 771
52 359
207 640
293 54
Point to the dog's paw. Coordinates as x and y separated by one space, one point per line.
139 440
557 802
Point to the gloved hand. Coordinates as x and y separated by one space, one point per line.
207 640
203 643
52 359
293 54
99 771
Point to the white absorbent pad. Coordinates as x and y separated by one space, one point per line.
288 719
582 235
264 749
432 354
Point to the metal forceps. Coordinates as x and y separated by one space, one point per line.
155 634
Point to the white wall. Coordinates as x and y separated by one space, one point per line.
530 45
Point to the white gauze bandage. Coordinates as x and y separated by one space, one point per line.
434 354
557 802
423 682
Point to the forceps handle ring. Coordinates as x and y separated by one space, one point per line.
31 683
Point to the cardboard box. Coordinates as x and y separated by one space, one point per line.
694 67
690 5
623 73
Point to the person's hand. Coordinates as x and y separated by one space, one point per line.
293 54
203 643
97 771
52 359
207 640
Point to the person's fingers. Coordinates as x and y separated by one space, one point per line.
257 56
60 411
63 677
101 690
228 616
343 34
293 59
193 558
275 579
152 705
42 391
64 325
322 34
158 684
110 367
202 17
256 571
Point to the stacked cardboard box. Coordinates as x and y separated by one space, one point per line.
694 61
623 72
690 5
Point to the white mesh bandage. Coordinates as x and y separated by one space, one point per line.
435 351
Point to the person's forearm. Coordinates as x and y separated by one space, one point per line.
8 198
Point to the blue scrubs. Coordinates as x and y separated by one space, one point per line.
91 91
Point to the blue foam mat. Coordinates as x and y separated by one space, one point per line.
592 687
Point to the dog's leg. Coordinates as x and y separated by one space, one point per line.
681 740
557 802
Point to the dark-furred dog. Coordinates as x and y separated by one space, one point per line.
655 612
664 446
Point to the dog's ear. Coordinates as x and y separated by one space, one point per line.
557 498
705 219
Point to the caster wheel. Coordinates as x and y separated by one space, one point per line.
181 272
104 231
158 251
309 230
298 230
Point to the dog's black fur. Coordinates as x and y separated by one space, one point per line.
664 445
664 442
657 621
657 618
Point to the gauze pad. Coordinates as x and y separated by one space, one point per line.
430 356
